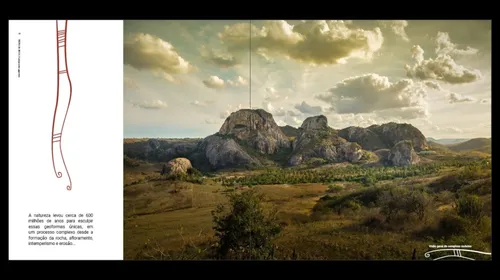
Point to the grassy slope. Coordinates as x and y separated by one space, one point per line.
477 144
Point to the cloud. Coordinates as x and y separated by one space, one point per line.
130 83
317 42
308 109
293 121
443 67
240 81
433 85
211 121
218 58
200 103
150 105
397 27
280 123
446 47
458 98
272 95
214 82
450 129
370 93
277 112
147 52
406 113
485 101
293 114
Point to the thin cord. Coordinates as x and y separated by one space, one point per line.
250 68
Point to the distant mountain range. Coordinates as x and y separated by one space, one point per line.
447 141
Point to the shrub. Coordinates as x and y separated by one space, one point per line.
399 200
245 231
471 207
334 188
452 225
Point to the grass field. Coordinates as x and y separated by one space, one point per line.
173 219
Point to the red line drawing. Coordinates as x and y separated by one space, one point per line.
64 92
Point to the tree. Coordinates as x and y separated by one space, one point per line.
246 231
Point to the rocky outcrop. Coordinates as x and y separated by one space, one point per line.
177 167
257 129
385 136
315 123
392 133
368 139
317 140
224 152
403 154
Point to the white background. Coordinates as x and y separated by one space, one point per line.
92 139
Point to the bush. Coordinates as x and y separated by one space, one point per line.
452 225
471 207
245 231
334 188
399 200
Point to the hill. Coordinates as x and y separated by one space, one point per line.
447 141
477 144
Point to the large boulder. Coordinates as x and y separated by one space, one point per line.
177 167
257 129
403 154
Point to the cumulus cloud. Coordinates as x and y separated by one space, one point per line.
371 93
308 109
240 81
317 42
150 105
148 52
218 58
458 98
443 67
433 85
214 82
397 27
445 46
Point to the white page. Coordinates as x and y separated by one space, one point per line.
91 139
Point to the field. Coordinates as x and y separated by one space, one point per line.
328 213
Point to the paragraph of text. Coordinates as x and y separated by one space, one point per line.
60 229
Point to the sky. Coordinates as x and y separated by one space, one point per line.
183 78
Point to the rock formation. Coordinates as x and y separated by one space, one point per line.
225 152
176 167
385 136
257 129
317 140
403 154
